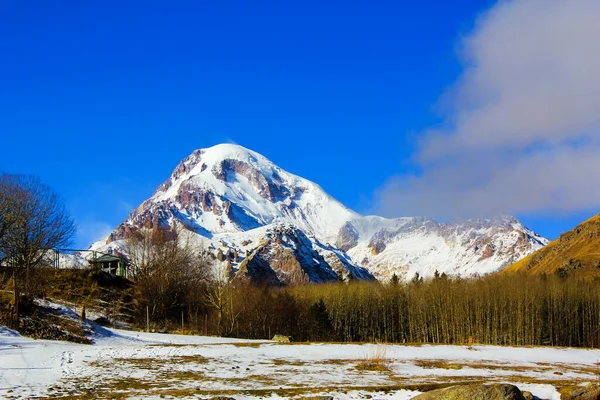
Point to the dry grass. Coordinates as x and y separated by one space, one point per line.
296 363
441 364
374 359
196 359
372 366
184 375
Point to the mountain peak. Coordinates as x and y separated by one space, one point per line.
228 188
233 151
211 158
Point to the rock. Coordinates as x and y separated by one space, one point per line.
282 339
474 392
528 395
347 237
590 392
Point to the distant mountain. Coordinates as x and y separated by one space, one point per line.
576 252
268 225
405 246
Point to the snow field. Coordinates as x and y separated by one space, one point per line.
146 365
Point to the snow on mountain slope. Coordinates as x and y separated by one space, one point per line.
237 202
405 246
228 188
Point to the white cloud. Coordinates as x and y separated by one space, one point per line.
90 231
523 127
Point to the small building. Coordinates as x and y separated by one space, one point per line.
110 264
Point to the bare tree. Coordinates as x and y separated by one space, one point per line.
169 267
33 221
219 295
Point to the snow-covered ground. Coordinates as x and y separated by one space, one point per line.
146 365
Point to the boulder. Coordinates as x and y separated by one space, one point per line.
528 395
474 392
590 392
282 339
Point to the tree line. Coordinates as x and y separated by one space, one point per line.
554 310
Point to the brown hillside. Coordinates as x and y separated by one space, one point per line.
576 252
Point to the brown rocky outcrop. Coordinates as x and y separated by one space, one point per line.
590 392
270 189
474 392
347 237
183 167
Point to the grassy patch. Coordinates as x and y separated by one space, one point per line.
127 384
278 362
374 359
334 361
372 366
183 375
196 359
442 364
141 363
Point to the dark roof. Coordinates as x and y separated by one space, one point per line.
107 258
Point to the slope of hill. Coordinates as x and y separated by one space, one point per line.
265 223
576 252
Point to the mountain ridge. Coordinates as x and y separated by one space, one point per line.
237 200
576 252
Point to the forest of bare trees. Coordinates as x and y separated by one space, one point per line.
502 310
507 310
180 287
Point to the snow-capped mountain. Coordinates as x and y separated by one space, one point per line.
405 246
272 226
229 189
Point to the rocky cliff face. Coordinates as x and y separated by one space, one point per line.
281 226
286 256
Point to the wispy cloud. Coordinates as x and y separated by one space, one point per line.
522 128
125 206
90 231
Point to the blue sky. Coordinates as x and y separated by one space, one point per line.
103 99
